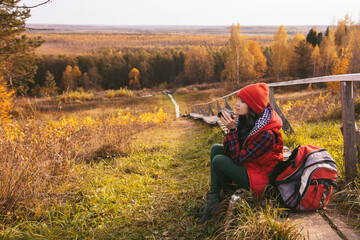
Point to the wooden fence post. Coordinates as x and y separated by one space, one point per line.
210 110
204 110
218 106
199 110
286 125
348 118
227 106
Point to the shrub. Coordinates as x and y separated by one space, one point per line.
118 93
78 95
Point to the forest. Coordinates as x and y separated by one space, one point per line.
104 61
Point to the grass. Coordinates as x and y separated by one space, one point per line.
76 96
133 173
118 93
154 191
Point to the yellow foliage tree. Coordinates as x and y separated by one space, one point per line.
328 51
291 56
239 62
76 76
260 66
354 48
342 32
6 97
342 66
198 65
279 53
315 59
68 79
134 79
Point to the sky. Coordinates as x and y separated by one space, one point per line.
194 12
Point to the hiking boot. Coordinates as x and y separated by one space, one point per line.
212 201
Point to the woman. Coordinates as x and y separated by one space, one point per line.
251 148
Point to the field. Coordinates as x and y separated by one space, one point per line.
64 39
75 43
123 167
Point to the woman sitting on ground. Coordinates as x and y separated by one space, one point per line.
251 148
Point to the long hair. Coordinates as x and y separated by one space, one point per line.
249 121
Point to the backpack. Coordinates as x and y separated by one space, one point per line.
306 179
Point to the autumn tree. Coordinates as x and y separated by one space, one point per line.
134 79
342 63
292 57
68 79
77 76
239 62
6 97
315 60
328 51
341 66
198 66
92 79
279 53
354 48
17 58
342 33
260 66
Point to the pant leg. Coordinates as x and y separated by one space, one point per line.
215 150
227 174
215 185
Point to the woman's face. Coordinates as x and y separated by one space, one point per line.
241 108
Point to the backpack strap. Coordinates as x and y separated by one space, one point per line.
280 167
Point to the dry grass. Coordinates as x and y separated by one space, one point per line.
122 92
37 153
124 169
87 43
78 95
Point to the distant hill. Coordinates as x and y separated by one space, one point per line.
167 29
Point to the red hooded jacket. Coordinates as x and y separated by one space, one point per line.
260 152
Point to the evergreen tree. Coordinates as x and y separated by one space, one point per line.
319 38
312 37
17 58
303 52
327 31
50 84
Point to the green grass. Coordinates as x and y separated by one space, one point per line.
325 134
155 188
156 191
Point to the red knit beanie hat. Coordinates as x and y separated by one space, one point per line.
256 96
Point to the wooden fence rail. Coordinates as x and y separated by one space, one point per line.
205 112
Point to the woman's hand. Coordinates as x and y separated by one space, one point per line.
227 120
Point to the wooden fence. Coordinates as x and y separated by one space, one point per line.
207 112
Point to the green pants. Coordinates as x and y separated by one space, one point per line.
225 174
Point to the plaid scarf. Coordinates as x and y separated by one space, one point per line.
261 121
